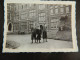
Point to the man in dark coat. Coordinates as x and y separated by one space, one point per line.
44 33
38 32
33 35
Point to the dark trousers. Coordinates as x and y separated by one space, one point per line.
33 37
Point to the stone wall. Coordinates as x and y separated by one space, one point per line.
64 32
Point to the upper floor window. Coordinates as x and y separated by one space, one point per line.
51 6
32 13
56 11
67 9
62 10
61 5
51 12
56 6
41 6
42 14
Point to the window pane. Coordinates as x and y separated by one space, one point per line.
41 6
42 14
56 11
61 5
52 20
56 6
67 9
51 25
62 10
51 11
41 19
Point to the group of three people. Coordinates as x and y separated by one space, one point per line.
37 33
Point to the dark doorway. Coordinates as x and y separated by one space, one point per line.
10 27
41 27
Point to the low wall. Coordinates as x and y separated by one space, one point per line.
59 35
64 35
51 33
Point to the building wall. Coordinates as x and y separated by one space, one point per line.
23 16
10 17
55 14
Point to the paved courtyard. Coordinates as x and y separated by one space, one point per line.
25 44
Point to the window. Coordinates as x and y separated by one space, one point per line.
51 6
10 7
54 23
56 6
41 19
51 11
27 6
17 7
56 11
30 5
42 14
10 16
41 6
61 5
62 10
52 20
23 16
67 9
32 13
22 6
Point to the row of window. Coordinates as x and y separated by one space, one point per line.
23 26
41 6
62 10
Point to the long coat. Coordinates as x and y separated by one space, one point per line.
33 34
44 33
38 32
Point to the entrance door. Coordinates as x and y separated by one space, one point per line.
10 27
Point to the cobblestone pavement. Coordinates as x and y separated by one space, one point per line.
25 44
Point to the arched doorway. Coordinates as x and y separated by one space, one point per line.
10 27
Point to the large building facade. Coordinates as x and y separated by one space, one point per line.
21 17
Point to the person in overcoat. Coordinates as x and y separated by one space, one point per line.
33 34
44 33
38 33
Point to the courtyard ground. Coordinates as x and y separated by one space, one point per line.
25 45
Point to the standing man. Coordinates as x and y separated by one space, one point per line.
44 33
33 33
38 32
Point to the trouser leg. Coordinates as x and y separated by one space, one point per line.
46 39
32 40
39 41
35 40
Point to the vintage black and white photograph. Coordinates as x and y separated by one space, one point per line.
39 27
